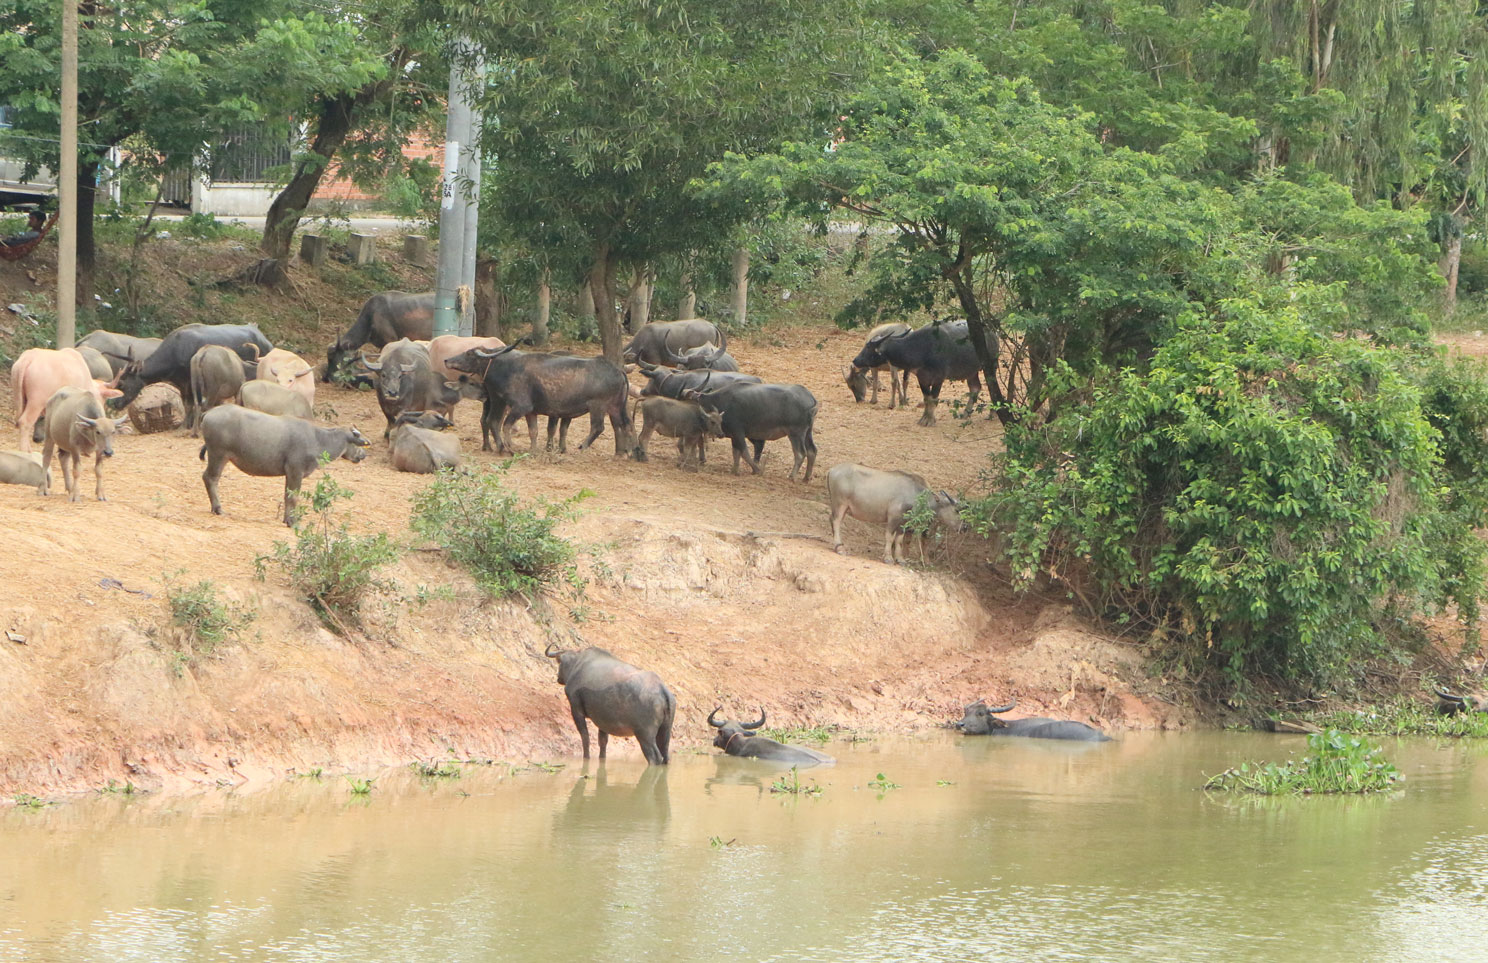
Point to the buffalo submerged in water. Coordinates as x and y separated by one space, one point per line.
739 739
980 720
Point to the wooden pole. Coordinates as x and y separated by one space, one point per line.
67 227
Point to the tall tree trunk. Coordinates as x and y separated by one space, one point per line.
87 250
1451 262
487 298
336 117
544 309
687 303
985 343
602 287
640 299
741 285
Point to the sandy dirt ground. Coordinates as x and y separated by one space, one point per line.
727 586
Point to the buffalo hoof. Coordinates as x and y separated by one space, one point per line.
840 549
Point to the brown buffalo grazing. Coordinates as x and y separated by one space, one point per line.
270 446
385 318
884 498
687 421
873 362
76 426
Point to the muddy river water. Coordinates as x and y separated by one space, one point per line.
965 849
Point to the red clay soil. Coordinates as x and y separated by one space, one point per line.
727 586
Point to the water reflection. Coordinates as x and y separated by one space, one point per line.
989 849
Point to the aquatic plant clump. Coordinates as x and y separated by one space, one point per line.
1408 719
1337 763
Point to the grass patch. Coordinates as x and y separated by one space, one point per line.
25 800
1406 719
436 770
1336 763
333 567
816 734
206 619
360 787
508 547
790 785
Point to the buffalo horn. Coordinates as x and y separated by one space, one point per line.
722 344
551 651
371 365
1005 708
713 716
754 725
250 344
666 345
1449 696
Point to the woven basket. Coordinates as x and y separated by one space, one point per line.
158 408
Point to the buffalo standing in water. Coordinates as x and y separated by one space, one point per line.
979 720
738 739
1450 703
621 699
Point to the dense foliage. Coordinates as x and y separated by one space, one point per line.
1335 763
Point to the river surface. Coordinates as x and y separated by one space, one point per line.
988 849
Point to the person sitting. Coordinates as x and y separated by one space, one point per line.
34 223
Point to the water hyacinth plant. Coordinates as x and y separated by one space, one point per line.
1336 763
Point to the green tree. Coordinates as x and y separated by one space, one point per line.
608 110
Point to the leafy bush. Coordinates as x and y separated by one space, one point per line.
507 546
207 620
1270 499
333 567
1338 763
1407 719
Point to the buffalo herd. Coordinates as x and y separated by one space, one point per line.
253 406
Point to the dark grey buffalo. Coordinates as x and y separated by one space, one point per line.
621 699
650 343
872 362
268 446
1450 703
670 383
738 739
530 384
936 353
406 381
757 413
384 319
706 356
980 720
118 349
171 362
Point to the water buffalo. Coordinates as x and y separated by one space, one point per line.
119 349
936 353
76 426
704 357
738 739
23 468
870 361
171 361
446 346
407 382
419 445
98 365
670 383
650 342
216 377
273 399
287 370
268 446
1451 704
527 385
885 498
762 412
37 375
384 319
688 422
621 699
979 721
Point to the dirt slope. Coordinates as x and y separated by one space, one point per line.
725 585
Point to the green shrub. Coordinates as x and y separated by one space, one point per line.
1472 270
1407 719
1337 763
207 620
508 547
1268 499
333 567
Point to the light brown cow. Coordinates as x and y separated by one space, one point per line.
288 370
448 345
76 426
274 399
36 376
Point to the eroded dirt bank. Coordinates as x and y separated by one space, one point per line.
726 586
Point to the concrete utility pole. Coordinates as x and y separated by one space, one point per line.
457 213
472 164
67 226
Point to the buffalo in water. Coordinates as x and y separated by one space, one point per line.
621 699
739 739
980 720
1451 704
